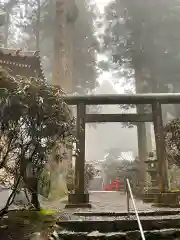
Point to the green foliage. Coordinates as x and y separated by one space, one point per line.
46 212
85 47
144 36
172 140
34 120
37 32
90 173
33 222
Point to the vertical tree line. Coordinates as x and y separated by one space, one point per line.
143 39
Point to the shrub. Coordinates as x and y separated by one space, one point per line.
34 120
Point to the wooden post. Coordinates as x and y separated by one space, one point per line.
127 198
142 147
160 146
80 159
80 198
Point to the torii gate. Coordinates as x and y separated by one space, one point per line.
80 198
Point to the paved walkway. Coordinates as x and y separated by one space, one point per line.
117 202
108 202
114 202
102 201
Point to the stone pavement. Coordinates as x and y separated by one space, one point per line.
114 202
102 201
105 201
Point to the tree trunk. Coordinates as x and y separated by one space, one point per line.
63 45
6 30
2 23
30 182
38 21
141 131
34 194
63 49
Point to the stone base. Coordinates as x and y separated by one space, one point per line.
78 205
149 197
169 199
78 200
123 225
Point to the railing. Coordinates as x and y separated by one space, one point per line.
130 196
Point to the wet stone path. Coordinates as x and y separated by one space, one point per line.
114 202
102 201
109 202
117 202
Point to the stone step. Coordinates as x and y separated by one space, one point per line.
122 224
164 234
119 214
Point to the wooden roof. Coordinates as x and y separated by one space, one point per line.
22 63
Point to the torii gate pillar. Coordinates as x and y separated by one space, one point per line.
80 198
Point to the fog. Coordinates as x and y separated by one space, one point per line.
102 137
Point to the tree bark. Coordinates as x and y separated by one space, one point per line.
34 193
38 21
30 182
141 131
63 45
6 30
63 49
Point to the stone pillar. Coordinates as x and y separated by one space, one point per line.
80 198
149 137
160 147
142 148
